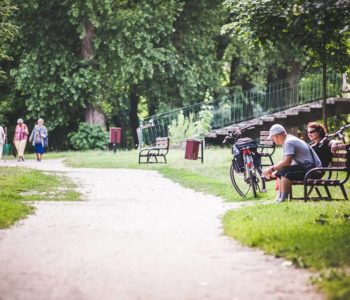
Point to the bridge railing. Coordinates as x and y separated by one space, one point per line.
229 108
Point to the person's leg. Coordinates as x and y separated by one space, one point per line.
23 147
17 145
1 147
285 188
277 188
292 173
20 150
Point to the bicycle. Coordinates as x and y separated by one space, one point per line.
245 170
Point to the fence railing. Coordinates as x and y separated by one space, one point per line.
230 108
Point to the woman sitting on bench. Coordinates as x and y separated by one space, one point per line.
320 143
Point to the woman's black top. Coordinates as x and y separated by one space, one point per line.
323 151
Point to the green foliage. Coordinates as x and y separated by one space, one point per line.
89 137
321 28
8 31
187 127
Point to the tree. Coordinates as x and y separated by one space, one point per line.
95 61
320 28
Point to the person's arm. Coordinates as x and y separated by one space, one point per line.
44 132
287 161
26 131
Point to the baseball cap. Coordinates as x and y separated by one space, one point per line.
275 129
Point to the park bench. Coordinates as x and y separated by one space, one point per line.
336 175
266 148
160 149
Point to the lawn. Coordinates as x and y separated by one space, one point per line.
19 187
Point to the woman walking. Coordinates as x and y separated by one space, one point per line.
20 138
38 139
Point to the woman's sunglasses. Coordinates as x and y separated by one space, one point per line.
311 131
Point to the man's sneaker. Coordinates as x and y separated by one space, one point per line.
280 200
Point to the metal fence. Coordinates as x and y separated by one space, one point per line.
230 108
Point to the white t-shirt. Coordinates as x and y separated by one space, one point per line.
300 151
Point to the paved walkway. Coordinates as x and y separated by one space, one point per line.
137 236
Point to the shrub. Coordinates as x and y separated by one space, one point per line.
89 137
186 127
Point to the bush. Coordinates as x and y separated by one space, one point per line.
187 127
89 137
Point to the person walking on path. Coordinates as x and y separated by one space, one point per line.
298 158
20 138
38 139
2 139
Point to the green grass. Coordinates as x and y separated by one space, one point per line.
314 235
18 186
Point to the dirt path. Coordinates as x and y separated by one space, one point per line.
137 236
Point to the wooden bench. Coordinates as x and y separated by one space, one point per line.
336 175
160 149
266 148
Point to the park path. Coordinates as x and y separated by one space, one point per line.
136 236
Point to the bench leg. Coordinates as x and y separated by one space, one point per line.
329 196
309 192
344 192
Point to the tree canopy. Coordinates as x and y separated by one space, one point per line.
106 62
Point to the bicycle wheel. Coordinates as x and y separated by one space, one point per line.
244 182
240 181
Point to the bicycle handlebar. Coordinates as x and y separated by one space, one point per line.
235 134
339 133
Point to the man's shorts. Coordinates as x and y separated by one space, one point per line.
293 173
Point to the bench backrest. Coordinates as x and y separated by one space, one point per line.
162 142
264 139
339 159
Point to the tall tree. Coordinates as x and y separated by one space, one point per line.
320 27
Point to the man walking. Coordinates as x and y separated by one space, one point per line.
298 158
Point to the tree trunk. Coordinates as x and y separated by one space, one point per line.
93 115
133 117
86 43
233 71
324 93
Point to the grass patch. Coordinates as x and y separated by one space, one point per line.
18 186
313 235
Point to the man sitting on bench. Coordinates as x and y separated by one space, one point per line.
298 158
